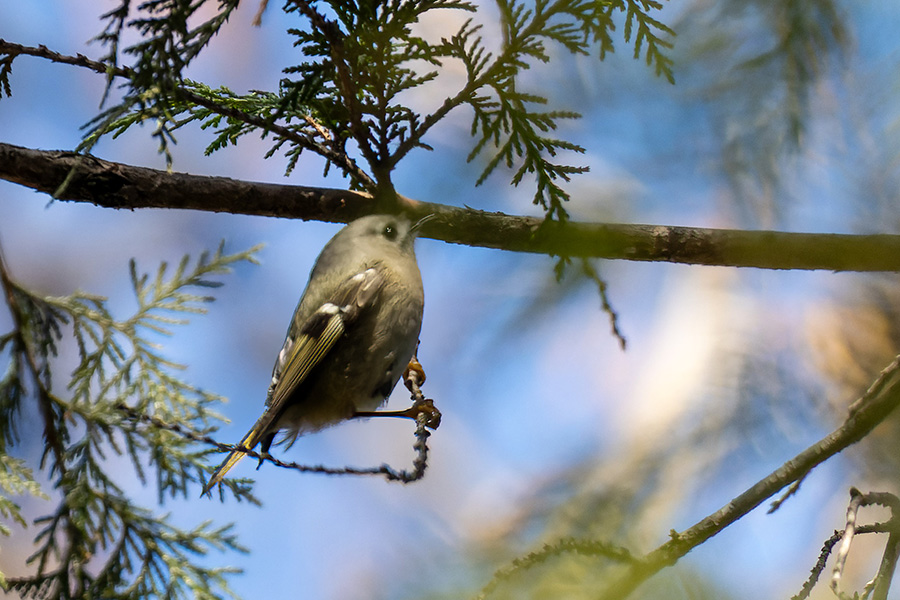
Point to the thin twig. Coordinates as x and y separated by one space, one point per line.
879 401
591 272
792 489
420 462
825 553
881 583
856 501
888 565
257 20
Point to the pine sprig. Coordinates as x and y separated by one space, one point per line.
359 59
348 91
505 119
97 539
359 64
168 44
648 29
293 126
121 366
16 479
148 557
518 136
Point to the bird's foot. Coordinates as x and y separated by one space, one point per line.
426 407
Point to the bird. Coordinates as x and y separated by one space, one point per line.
351 336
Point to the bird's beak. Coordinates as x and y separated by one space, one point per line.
418 224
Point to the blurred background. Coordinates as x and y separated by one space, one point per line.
784 115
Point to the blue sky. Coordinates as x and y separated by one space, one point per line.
524 400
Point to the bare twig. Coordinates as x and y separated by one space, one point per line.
856 500
257 20
827 548
420 463
889 558
881 583
879 401
792 489
888 565
819 567
590 271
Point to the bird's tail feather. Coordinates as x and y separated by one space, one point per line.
248 442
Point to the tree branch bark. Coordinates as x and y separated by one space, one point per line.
116 185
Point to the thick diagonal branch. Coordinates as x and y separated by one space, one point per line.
879 401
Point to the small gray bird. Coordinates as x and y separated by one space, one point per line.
351 337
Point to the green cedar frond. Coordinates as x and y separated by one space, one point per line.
167 43
357 64
15 480
98 541
504 118
637 12
5 72
357 61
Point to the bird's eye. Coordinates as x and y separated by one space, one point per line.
390 232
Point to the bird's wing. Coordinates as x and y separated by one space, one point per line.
302 351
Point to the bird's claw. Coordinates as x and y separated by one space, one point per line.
426 407
414 374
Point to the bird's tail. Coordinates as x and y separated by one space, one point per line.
248 442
